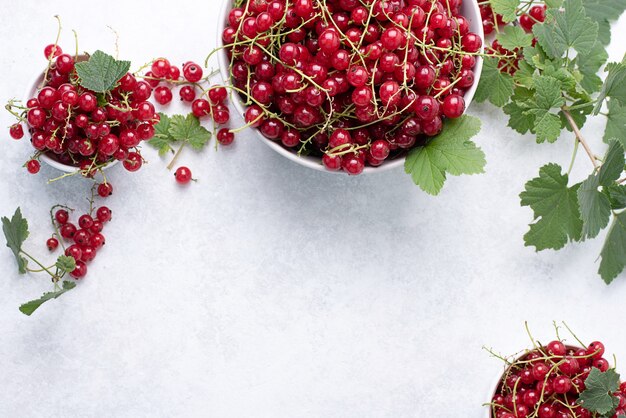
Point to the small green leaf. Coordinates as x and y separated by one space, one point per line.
495 86
616 122
567 28
188 129
518 120
613 164
162 139
514 37
603 12
525 75
16 232
614 250
66 263
101 72
555 207
598 396
614 85
450 152
30 307
617 195
589 65
548 96
506 8
547 126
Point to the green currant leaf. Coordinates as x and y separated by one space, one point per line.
513 37
598 396
579 115
616 122
188 129
16 231
547 125
162 140
617 196
506 8
101 72
614 85
30 307
555 207
595 207
66 264
614 250
494 86
567 28
450 152
518 120
613 164
589 65
525 75
548 96
603 12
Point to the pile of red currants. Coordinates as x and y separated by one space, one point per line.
547 382
353 82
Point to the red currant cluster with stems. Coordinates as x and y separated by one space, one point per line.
529 15
354 82
547 382
85 237
81 128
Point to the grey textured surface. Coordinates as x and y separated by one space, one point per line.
269 290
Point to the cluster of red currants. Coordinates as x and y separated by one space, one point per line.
86 239
77 127
546 383
355 82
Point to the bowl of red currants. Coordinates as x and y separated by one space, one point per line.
550 382
348 85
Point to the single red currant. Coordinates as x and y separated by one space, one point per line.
182 175
52 243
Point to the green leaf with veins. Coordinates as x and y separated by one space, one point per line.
30 307
506 8
513 37
579 115
548 96
604 11
101 72
189 130
616 122
614 85
16 231
589 65
598 397
555 207
162 139
617 195
567 28
66 264
525 75
613 164
595 207
494 86
451 152
614 250
518 120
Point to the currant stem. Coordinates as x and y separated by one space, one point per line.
580 137
171 164
44 268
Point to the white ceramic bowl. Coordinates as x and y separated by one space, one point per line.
469 9
32 92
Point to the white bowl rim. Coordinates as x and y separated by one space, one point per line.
31 92
314 162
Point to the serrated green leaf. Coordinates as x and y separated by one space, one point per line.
613 164
548 96
495 86
535 56
555 207
188 129
162 139
589 65
547 126
614 250
617 195
553 3
525 75
506 8
616 122
15 232
101 72
614 85
566 28
548 93
598 396
603 12
519 121
565 78
595 208
66 264
30 307
450 152
578 114
512 37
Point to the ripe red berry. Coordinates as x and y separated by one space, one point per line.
74 251
103 214
80 271
453 106
187 93
200 108
133 162
163 95
217 94
161 68
556 348
33 166
596 350
52 243
52 51
225 136
105 189
192 72
562 384
67 231
16 131
182 175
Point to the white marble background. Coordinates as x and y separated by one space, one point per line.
269 290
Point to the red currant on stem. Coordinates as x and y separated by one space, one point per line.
183 175
52 243
16 131
105 189
225 136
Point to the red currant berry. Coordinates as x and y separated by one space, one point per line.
85 221
61 216
74 251
52 51
80 271
33 166
161 68
200 108
453 106
105 189
556 348
16 131
217 95
596 350
133 162
225 136
187 93
52 243
65 64
562 385
182 175
163 95
192 72
103 214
